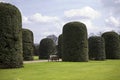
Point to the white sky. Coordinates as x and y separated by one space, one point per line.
47 17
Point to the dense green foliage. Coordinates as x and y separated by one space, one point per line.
10 37
96 48
75 43
36 49
27 37
59 47
47 46
112 45
119 38
93 70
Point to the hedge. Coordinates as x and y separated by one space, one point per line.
75 43
47 47
28 46
10 37
96 48
112 45
59 47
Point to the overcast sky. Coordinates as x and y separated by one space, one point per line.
47 17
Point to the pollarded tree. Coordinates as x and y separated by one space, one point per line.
75 43
112 45
59 47
47 46
96 48
10 36
28 48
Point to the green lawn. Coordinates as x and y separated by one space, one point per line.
36 57
93 70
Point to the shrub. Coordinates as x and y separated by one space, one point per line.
59 47
10 36
112 45
27 44
96 48
46 47
75 43
119 38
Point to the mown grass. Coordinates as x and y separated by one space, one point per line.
93 70
36 57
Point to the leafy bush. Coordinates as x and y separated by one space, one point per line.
47 46
96 48
10 36
27 44
112 45
75 43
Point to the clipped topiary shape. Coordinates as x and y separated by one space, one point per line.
59 47
10 36
47 46
119 38
96 48
75 43
28 46
112 45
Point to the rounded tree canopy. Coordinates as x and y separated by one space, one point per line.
10 36
97 48
47 46
27 36
75 43
112 45
59 47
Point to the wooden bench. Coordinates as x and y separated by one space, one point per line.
53 58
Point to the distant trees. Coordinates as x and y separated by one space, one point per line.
96 48
36 49
10 36
75 43
53 37
46 47
28 47
112 45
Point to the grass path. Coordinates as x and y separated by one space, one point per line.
93 70
35 61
